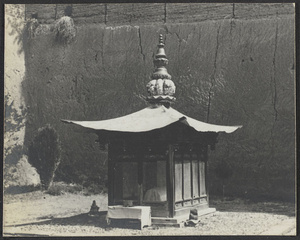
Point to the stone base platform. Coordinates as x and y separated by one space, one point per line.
178 221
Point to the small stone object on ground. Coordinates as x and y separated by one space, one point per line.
193 214
94 208
127 203
190 223
193 219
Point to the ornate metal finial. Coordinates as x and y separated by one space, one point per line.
161 41
161 88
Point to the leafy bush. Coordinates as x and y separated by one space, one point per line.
58 188
31 26
44 154
94 188
65 29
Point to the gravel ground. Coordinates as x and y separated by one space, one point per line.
66 215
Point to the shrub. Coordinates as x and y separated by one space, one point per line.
65 29
44 154
58 188
94 188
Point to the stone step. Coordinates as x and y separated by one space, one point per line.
163 220
206 211
168 224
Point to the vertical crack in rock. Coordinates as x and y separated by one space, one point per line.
140 43
274 73
165 13
216 53
96 55
55 12
105 13
63 57
177 35
167 31
199 37
274 88
209 103
189 34
179 47
232 23
102 50
184 39
179 40
213 75
131 14
86 67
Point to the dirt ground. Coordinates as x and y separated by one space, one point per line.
40 214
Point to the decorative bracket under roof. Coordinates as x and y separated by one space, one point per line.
161 88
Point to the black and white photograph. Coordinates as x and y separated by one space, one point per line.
149 119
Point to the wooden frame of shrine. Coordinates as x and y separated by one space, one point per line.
157 157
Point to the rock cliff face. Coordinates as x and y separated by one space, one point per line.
17 170
231 63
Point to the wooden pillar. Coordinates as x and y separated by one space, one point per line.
110 178
170 181
206 173
140 178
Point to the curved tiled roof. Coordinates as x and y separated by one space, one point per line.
150 118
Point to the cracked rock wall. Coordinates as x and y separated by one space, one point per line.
232 64
16 169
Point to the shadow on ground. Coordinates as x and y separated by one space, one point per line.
13 190
84 219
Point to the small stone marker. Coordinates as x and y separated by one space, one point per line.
193 218
94 208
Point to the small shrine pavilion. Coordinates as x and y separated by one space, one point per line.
157 157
